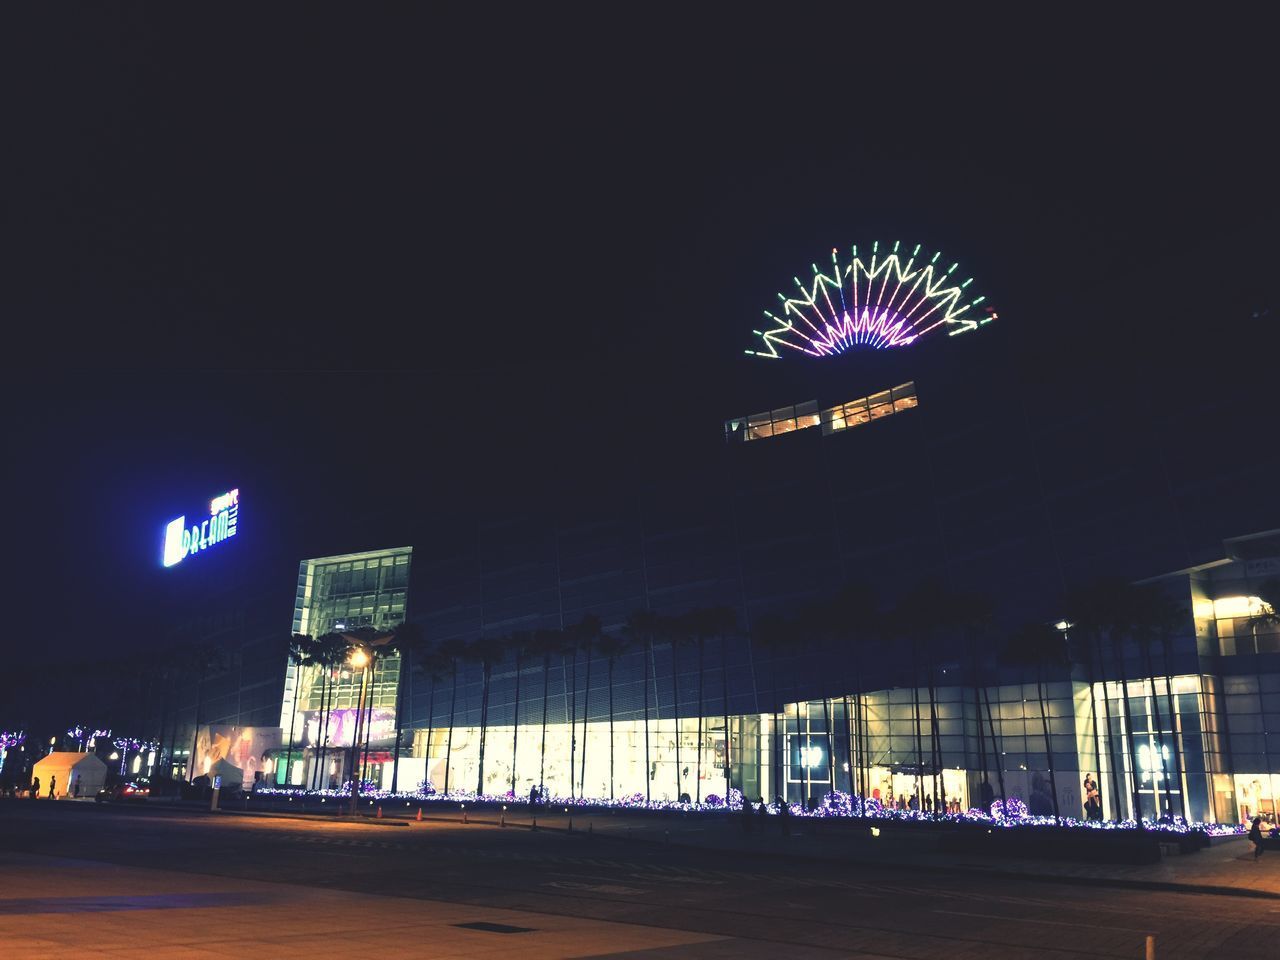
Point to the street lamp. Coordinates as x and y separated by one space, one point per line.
360 661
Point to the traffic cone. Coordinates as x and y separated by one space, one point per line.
419 818
379 811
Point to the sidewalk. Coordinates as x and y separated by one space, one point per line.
51 907
1226 867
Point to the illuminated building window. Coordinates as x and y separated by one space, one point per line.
857 412
772 423
1244 627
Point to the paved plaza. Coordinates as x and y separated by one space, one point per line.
84 880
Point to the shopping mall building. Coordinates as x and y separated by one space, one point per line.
883 472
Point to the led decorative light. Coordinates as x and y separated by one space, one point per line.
890 299
834 804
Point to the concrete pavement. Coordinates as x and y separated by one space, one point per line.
749 904
53 906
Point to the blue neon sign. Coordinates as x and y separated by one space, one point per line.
182 540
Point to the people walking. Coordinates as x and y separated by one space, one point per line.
1255 837
35 788
53 783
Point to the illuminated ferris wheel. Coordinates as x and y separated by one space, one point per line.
882 298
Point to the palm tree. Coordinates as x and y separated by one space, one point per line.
1040 645
430 663
775 632
610 648
1091 610
588 633
203 660
973 613
326 652
642 627
520 643
705 624
853 616
486 651
299 652
675 631
1156 616
545 642
411 643
819 623
910 618
453 650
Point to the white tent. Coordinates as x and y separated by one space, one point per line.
88 771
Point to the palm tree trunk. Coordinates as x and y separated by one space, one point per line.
1157 746
368 728
724 705
195 735
935 739
995 747
611 659
1173 726
515 725
675 713
546 693
1116 793
1128 725
293 716
831 743
977 702
1048 743
697 786
648 754
915 697
453 712
586 718
573 720
431 723
395 749
486 674
322 730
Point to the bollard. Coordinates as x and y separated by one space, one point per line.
1151 948
535 822
502 822
666 836
464 813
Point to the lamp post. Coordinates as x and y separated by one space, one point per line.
360 661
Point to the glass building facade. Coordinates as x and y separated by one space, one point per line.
319 710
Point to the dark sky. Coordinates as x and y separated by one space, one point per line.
314 249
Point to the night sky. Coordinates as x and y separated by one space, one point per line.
324 255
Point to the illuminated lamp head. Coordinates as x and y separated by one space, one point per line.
881 299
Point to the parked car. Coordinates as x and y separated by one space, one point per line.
125 790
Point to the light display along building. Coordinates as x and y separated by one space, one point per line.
885 298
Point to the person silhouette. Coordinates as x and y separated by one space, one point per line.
53 783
